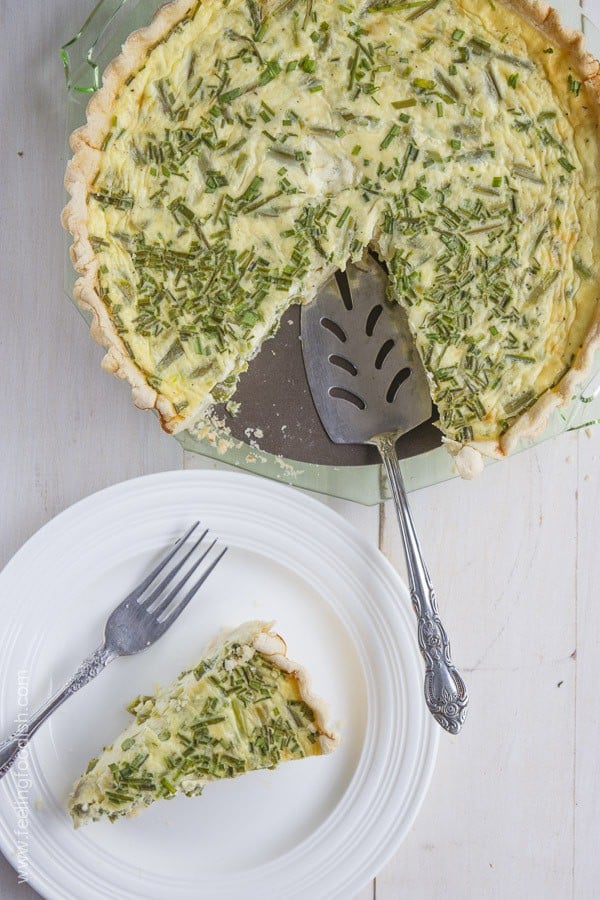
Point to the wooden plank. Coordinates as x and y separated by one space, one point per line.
587 710
11 889
570 11
68 428
369 892
498 819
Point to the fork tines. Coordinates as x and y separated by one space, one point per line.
165 605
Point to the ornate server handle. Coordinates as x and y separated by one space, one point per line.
445 692
88 669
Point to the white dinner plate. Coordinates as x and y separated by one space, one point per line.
318 828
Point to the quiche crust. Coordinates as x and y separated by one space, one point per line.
532 423
270 644
87 144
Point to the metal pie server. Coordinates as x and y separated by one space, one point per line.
369 387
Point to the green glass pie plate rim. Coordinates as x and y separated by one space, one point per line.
84 57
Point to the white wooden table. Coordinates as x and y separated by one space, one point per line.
514 807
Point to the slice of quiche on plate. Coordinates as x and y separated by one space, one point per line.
244 707
240 152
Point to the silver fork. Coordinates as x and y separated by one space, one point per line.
134 625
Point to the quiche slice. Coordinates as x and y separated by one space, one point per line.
240 151
245 706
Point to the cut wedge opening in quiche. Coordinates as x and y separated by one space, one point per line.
239 152
244 707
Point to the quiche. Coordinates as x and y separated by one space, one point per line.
244 707
240 151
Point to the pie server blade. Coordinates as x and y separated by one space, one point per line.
362 366
369 386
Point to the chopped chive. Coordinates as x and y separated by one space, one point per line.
420 193
423 84
513 79
343 217
520 357
515 60
253 188
308 65
270 71
228 96
480 44
449 87
168 785
527 173
423 8
581 268
392 133
404 104
564 162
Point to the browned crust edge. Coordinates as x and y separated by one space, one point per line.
328 739
533 421
270 644
86 143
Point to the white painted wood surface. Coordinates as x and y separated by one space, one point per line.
514 807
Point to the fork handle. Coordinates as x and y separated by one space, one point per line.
445 692
89 668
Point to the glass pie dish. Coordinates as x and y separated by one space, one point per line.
276 431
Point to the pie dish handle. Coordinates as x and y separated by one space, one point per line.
445 691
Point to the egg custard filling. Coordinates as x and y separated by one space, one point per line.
241 151
244 707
